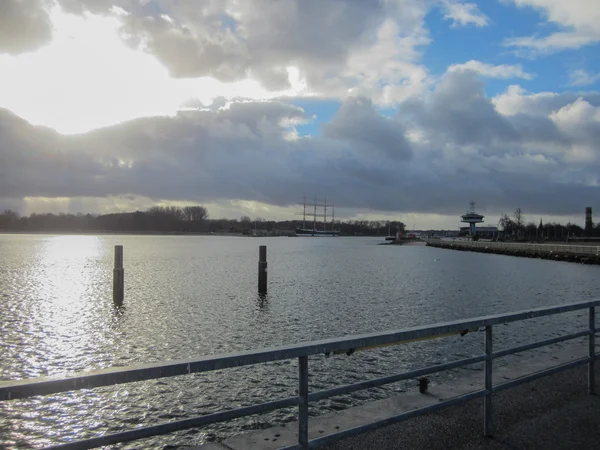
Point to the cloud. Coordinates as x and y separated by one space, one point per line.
542 155
24 26
230 39
100 6
463 14
577 20
157 56
581 121
387 70
328 42
502 71
554 42
358 123
582 77
516 100
459 112
446 142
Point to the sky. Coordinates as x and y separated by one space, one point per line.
390 109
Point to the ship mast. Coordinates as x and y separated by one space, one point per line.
315 216
332 217
325 215
304 214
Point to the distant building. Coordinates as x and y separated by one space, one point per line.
480 232
439 233
472 218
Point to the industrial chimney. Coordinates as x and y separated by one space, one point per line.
589 225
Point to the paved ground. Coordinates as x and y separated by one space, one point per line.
554 412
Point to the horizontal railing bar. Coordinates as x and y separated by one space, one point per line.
541 373
461 332
140 433
395 419
117 375
321 395
522 348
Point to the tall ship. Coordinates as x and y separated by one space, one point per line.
318 229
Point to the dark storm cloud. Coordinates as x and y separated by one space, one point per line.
543 163
357 122
459 111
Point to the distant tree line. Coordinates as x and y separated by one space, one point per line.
155 219
515 228
178 219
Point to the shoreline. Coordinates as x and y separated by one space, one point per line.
128 233
153 233
549 254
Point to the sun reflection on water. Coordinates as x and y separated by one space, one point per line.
68 275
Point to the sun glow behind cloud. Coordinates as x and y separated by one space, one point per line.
88 78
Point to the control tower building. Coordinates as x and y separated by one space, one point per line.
472 218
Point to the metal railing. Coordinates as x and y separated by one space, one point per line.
51 385
540 248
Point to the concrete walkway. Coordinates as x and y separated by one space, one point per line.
551 413
554 412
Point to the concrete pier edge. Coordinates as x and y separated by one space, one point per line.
472 380
549 255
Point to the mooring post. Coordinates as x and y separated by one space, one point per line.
592 351
118 277
262 269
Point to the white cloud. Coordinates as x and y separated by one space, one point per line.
262 37
92 79
565 40
387 70
463 14
578 19
502 71
576 114
107 64
582 77
516 100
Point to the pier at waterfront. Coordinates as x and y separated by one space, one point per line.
551 413
585 254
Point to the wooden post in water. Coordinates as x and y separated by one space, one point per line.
118 277
262 269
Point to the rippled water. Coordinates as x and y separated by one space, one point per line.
188 296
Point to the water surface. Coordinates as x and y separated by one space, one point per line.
188 296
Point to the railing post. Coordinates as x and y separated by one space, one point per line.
592 351
303 406
488 426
